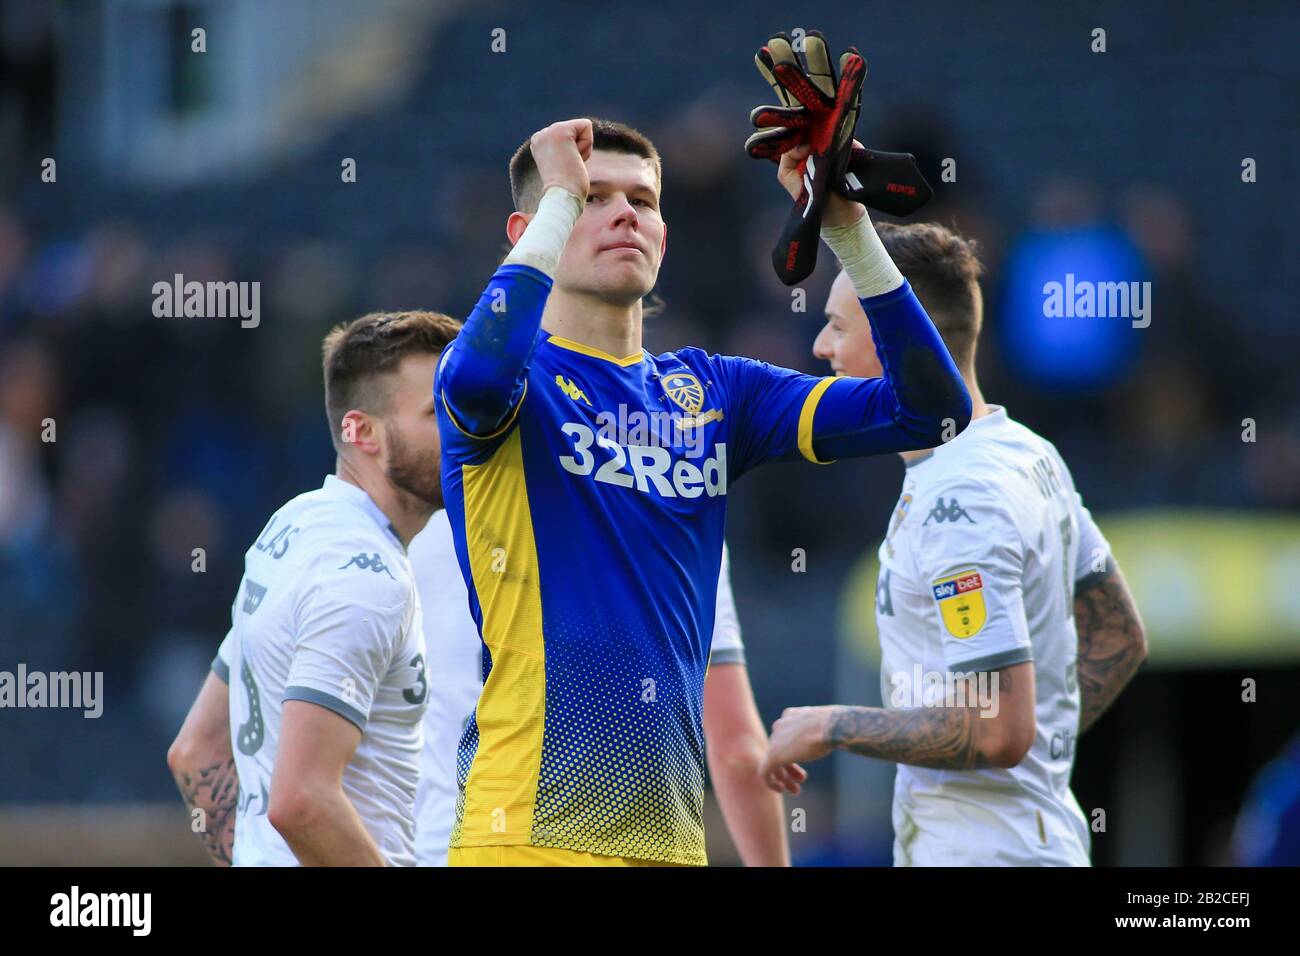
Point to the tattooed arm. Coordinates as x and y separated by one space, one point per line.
204 767
1112 641
944 738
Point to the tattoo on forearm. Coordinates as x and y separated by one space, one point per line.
1112 645
215 791
1004 680
939 737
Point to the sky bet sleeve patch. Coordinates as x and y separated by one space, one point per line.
960 597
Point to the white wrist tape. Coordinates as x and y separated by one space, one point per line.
863 257
543 241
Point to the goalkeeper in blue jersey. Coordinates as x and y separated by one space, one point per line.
586 483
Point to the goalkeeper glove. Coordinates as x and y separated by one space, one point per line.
787 125
811 111
817 109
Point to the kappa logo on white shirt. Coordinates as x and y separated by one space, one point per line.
950 512
372 562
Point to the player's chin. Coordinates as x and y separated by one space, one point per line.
627 284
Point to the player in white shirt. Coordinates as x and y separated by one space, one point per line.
327 615
997 603
323 729
455 659
733 731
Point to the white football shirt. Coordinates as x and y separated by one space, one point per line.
456 674
327 612
977 572
727 646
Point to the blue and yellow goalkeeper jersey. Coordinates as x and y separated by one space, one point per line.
588 523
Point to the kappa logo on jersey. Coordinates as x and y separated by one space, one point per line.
949 512
568 388
960 598
373 563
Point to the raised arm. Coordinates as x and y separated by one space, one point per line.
481 379
1112 641
922 392
921 400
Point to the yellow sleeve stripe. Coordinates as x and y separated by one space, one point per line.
505 426
806 420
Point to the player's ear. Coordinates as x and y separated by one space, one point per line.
663 243
360 431
516 225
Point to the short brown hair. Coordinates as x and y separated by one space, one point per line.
943 269
526 184
356 354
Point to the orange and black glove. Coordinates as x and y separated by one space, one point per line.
817 108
